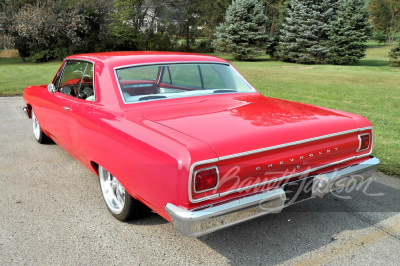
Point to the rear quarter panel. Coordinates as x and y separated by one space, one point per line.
152 165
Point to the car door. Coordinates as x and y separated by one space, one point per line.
82 118
68 83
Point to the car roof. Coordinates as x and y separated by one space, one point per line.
117 59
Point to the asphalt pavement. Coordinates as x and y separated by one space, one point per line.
52 213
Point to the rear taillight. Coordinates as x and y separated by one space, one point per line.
206 179
365 142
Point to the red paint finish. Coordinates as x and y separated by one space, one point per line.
151 147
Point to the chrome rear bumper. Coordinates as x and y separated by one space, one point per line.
195 223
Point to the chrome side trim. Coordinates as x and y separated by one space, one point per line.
292 143
268 149
201 221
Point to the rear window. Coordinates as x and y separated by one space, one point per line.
158 82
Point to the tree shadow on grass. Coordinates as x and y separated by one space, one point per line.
372 63
371 46
259 59
11 61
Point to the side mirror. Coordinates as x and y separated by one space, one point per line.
51 88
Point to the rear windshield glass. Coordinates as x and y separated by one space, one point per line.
157 82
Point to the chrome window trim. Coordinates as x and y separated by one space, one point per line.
176 62
191 176
169 62
61 72
369 144
205 169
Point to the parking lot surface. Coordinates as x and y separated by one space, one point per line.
52 213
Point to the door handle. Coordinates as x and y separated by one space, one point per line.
66 108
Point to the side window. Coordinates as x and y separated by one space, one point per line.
140 73
186 75
86 89
138 80
211 78
77 80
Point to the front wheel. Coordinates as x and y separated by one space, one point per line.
37 131
121 205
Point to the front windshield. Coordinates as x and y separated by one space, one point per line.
157 82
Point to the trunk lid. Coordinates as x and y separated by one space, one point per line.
239 124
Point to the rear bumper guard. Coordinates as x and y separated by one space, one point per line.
195 223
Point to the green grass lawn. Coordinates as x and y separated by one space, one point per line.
370 88
15 75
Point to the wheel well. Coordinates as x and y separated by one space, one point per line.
29 110
95 167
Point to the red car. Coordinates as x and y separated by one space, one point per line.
187 136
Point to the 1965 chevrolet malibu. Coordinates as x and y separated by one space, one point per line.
187 136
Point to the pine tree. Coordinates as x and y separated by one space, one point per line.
350 30
241 31
324 31
305 31
273 41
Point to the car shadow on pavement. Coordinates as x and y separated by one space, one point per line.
307 226
149 219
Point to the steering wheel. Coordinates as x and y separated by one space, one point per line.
79 92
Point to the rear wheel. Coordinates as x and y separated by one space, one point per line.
37 131
121 205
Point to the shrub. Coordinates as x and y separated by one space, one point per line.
205 46
158 41
394 56
380 37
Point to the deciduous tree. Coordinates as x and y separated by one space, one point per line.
211 14
54 29
385 15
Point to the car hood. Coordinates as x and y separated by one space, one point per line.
233 124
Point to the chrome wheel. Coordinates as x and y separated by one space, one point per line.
37 130
113 192
36 126
121 205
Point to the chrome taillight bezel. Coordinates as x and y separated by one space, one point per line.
360 142
202 170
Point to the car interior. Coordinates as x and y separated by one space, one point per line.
76 80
